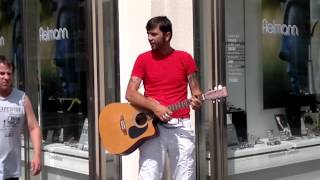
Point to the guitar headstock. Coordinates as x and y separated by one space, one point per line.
216 93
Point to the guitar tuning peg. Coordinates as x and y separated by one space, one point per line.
218 100
222 100
219 87
215 88
213 101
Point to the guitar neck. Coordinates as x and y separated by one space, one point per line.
209 95
182 104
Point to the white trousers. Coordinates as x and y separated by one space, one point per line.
178 142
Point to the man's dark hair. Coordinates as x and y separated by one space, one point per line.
164 23
7 62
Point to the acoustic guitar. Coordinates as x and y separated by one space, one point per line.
123 127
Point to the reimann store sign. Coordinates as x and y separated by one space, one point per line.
56 34
278 28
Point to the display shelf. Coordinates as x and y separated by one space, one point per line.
60 156
262 156
305 141
65 162
66 150
259 162
257 149
64 157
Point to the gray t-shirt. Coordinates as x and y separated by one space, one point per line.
12 117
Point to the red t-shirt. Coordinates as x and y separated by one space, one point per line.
165 78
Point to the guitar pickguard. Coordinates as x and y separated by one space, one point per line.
135 132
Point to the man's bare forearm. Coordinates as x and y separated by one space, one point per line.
36 138
194 84
135 97
138 99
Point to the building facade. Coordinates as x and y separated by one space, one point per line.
73 57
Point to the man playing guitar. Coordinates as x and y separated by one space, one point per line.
166 74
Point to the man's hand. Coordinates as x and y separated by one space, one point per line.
196 102
35 166
163 113
196 99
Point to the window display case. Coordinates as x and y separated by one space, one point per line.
276 114
58 73
64 158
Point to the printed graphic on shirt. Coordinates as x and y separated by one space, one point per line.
10 124
12 121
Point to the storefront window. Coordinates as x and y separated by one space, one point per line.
57 50
63 67
63 60
272 73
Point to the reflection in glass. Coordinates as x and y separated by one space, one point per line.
62 56
11 40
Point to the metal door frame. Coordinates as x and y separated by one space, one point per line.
209 50
99 166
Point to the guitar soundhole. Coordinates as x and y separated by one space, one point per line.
141 119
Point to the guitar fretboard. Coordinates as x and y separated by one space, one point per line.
209 95
180 105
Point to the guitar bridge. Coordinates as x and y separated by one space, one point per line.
123 126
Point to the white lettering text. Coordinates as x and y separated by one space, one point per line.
53 34
283 29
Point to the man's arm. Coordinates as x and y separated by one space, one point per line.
195 91
35 134
136 98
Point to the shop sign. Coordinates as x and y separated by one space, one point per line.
55 34
276 28
2 41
